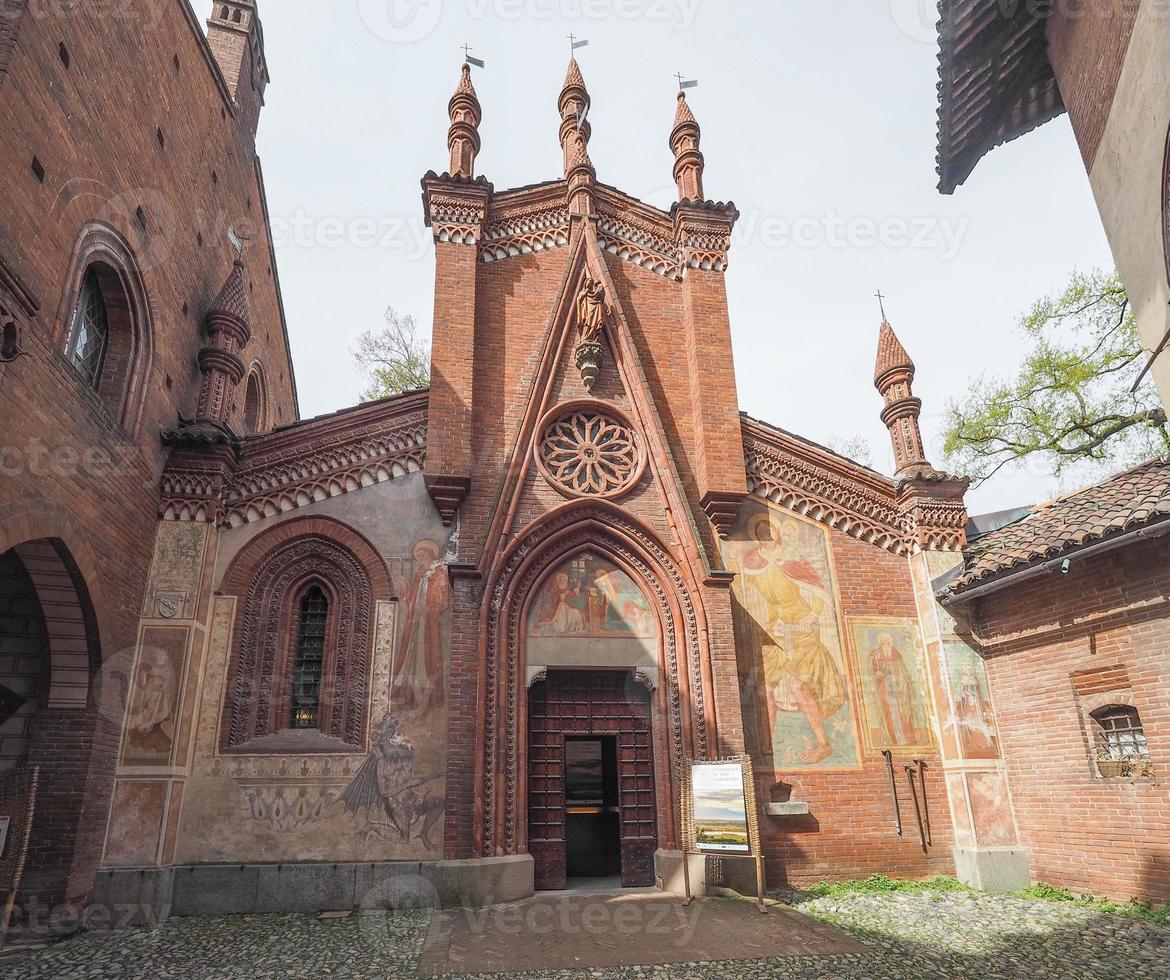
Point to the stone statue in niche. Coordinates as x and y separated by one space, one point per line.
592 315
592 311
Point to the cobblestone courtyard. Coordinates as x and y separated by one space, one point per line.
903 935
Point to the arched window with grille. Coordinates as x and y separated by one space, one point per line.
89 333
298 677
308 660
1121 746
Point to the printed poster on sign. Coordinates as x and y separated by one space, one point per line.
719 807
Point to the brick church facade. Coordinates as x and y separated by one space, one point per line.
268 663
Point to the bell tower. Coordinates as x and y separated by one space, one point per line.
236 37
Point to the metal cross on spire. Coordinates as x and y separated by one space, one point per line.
881 302
470 60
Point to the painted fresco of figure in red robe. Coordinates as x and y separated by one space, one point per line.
419 678
897 694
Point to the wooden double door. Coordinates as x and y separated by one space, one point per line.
591 803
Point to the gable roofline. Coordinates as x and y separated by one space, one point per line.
1130 506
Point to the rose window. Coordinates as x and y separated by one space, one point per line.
587 452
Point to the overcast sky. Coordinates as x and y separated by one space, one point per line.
818 121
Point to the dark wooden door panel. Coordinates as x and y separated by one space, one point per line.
590 703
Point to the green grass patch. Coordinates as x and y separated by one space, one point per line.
881 885
1135 908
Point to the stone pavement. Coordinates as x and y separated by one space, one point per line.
575 931
883 936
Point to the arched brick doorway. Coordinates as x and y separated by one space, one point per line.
49 655
681 704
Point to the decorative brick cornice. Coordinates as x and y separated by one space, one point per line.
298 465
823 486
702 233
923 511
525 232
456 207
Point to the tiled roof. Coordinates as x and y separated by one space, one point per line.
996 82
1133 500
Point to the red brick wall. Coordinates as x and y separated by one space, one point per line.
1111 837
1087 46
23 656
850 832
68 469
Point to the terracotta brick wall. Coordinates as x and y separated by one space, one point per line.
1088 43
1105 620
68 468
850 832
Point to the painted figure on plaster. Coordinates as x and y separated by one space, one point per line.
419 677
386 784
892 675
973 717
150 723
589 597
789 634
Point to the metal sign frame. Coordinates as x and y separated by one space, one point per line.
751 809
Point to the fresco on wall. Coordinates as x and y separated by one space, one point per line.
385 791
797 699
381 801
890 667
972 718
992 809
419 677
152 717
589 597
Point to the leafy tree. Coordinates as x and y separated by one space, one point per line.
394 359
1074 398
856 448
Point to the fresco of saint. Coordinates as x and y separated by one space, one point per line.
973 718
788 611
893 685
419 678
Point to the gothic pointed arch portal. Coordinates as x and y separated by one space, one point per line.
681 703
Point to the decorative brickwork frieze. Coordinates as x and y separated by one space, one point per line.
820 485
280 471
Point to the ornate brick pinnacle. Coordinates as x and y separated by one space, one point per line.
232 300
463 136
228 332
891 355
573 104
894 378
688 159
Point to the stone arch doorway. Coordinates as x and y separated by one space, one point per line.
682 715
49 654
